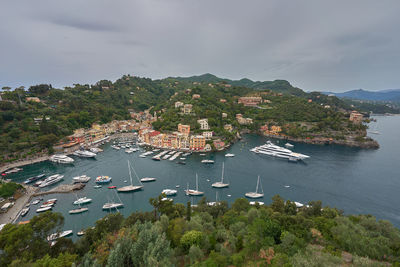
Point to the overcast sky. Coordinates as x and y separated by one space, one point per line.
316 45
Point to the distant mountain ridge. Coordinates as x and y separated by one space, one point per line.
392 95
281 86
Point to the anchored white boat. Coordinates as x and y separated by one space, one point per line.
221 183
44 209
76 211
148 179
131 187
256 194
82 200
207 161
58 158
24 211
55 236
112 205
229 155
288 145
169 192
84 154
277 151
81 179
191 192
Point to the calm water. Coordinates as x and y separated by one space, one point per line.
354 180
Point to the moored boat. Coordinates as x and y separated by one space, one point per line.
148 179
82 200
81 179
44 209
191 192
51 180
169 192
104 179
256 194
58 158
76 211
34 178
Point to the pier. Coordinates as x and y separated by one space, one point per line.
64 188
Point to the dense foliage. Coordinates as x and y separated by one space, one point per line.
8 189
242 235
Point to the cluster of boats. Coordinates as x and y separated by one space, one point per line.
47 205
280 152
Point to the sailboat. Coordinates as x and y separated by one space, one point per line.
131 187
221 183
113 205
191 192
216 201
256 194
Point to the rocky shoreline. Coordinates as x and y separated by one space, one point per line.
368 144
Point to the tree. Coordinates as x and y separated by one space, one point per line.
6 88
278 204
188 211
191 238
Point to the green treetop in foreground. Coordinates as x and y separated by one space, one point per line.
240 235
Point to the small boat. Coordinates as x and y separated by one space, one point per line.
33 179
229 155
55 236
51 200
35 202
76 211
24 212
288 145
112 205
112 187
202 154
221 183
256 202
181 162
142 156
97 186
229 195
80 233
256 194
166 199
103 179
169 192
182 158
287 186
148 179
207 180
156 158
13 170
191 192
207 161
47 205
44 209
28 205
82 200
177 186
81 179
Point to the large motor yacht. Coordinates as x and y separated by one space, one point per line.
277 151
84 154
61 159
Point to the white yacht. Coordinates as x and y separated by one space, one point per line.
207 161
81 179
55 236
112 205
277 151
221 183
169 192
84 154
79 210
148 179
43 209
131 187
51 180
191 192
256 194
58 158
82 200
229 155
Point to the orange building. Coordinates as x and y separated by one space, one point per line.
197 142
356 117
184 129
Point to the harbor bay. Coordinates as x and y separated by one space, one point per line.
351 179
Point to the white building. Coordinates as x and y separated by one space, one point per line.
178 104
203 124
208 134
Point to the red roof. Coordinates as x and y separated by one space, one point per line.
154 133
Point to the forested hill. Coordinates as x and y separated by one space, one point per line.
280 86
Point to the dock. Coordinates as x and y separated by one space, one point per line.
64 188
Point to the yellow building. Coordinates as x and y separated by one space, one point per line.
197 142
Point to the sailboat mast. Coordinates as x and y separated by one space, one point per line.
258 181
222 176
197 183
130 174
